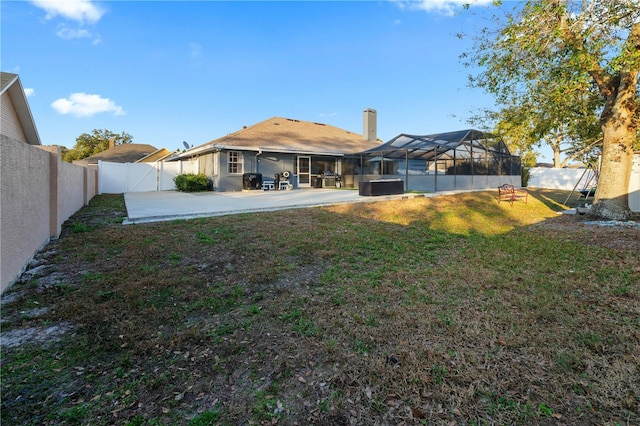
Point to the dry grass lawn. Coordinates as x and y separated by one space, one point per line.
453 310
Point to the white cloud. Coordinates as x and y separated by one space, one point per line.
83 11
446 7
29 92
86 105
67 33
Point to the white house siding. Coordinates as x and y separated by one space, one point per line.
10 123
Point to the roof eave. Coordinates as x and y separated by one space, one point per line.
21 105
219 147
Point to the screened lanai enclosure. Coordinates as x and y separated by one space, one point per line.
460 160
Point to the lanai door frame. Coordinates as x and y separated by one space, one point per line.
304 171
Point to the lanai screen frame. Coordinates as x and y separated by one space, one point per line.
452 160
457 149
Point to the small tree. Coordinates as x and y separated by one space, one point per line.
574 134
94 143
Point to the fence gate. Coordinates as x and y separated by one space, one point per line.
119 178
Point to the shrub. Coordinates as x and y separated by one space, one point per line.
190 182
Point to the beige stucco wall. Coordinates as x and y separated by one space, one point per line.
24 206
68 190
91 183
38 193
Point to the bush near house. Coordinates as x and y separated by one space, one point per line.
190 182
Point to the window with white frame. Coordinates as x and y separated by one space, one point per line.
235 163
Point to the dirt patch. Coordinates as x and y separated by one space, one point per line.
17 337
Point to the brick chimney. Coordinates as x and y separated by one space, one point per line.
112 143
370 131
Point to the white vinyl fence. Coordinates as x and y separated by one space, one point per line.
120 178
579 178
541 177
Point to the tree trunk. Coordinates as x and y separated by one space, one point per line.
557 162
619 127
619 130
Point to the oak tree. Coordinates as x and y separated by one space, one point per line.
553 55
94 143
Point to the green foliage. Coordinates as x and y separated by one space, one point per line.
190 182
94 143
563 71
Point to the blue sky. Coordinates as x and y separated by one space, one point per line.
167 72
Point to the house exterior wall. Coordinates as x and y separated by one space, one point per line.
268 164
9 121
226 181
208 165
271 164
38 193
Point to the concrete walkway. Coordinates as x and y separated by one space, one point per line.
144 207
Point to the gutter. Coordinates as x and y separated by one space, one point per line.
257 150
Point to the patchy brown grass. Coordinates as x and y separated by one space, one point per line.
446 310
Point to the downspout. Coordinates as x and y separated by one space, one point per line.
258 160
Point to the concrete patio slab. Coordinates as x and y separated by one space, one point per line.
144 207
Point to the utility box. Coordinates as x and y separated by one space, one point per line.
252 181
381 187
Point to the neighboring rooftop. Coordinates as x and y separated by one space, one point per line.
123 153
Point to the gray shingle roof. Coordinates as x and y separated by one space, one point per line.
5 79
289 135
123 153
